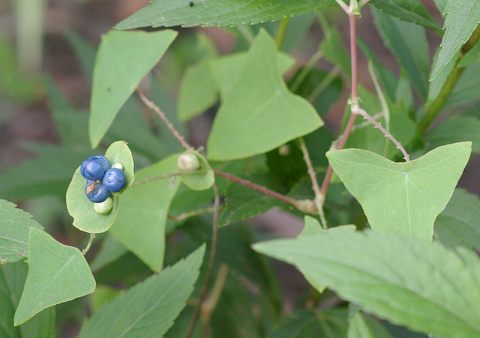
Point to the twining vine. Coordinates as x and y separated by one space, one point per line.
316 205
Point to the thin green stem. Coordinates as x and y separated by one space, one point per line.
211 302
306 69
246 33
436 106
281 33
324 84
30 17
89 244
211 264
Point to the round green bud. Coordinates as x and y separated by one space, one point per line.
187 163
105 207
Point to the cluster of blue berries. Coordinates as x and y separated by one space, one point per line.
102 178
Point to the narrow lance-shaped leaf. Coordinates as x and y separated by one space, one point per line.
167 13
362 326
14 226
149 308
259 113
456 129
402 279
242 203
56 274
84 52
407 10
462 18
409 45
48 173
123 60
402 197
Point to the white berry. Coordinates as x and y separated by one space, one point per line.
105 207
118 166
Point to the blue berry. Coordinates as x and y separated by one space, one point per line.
94 167
96 192
114 180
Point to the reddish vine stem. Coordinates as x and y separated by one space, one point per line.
354 98
301 205
164 118
211 264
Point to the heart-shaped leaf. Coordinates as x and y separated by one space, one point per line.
259 113
143 211
402 197
85 217
56 274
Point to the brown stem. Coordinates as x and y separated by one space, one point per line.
358 111
303 206
150 104
354 99
211 264
211 302
313 178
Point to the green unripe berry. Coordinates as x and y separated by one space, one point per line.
105 207
284 150
187 163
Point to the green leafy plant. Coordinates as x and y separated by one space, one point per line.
390 242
